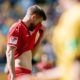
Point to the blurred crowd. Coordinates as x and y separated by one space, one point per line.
11 11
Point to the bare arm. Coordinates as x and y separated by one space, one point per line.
36 46
10 61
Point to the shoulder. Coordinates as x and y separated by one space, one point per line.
16 26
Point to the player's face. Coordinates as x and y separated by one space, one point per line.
34 23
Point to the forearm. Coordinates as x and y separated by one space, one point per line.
11 66
35 49
37 45
10 63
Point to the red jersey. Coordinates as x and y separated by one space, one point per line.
20 37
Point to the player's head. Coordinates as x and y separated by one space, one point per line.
36 14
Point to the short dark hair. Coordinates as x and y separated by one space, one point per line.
35 9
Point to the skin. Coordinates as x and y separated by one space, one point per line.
23 60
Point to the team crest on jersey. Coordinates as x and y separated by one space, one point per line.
13 40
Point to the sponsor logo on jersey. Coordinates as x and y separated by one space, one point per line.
13 40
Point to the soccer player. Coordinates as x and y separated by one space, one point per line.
66 43
23 37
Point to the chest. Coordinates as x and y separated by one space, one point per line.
30 38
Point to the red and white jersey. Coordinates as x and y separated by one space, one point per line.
20 37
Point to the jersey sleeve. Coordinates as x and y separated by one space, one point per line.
13 36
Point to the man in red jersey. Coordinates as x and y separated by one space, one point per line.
23 38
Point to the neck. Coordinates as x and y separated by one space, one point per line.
26 20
